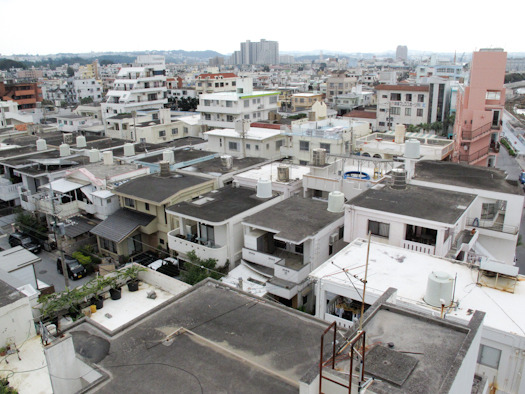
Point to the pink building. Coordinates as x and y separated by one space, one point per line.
480 110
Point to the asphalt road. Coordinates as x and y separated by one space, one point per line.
46 270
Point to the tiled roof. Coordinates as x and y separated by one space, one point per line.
122 223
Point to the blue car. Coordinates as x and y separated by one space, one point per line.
522 177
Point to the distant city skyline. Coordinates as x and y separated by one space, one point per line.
57 26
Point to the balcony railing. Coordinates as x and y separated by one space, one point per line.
260 258
282 271
493 225
419 247
9 192
180 244
467 134
341 323
470 158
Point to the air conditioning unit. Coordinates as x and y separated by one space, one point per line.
333 238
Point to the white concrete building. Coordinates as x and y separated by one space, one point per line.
9 115
224 108
401 104
85 88
424 283
213 83
136 88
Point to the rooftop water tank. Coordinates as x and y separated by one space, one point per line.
412 148
399 134
399 179
41 144
439 289
319 157
264 188
283 173
94 155
81 141
129 149
169 156
164 168
227 161
64 150
336 201
107 157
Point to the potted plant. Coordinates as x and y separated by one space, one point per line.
96 287
115 290
131 274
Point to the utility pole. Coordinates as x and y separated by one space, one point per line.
58 237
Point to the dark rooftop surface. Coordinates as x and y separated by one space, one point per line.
219 205
181 155
8 294
156 188
78 225
464 175
231 342
295 218
53 139
416 201
214 166
144 147
119 225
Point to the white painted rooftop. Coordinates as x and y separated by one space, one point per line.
134 304
254 133
408 272
191 120
269 171
248 276
32 359
102 193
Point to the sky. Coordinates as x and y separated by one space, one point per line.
68 26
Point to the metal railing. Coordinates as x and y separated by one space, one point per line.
469 135
468 157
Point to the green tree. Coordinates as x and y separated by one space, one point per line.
197 269
63 104
70 72
86 100
31 225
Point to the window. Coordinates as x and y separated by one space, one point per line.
278 144
384 96
175 131
162 133
381 123
108 245
325 147
488 211
246 103
489 356
303 162
229 103
395 96
408 97
267 146
420 98
207 116
233 145
247 116
146 206
128 202
395 111
408 111
229 118
304 145
256 147
382 109
492 95
378 228
273 99
419 112
248 146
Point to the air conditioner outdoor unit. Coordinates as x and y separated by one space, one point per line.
333 238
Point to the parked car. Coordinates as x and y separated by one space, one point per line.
19 239
169 266
75 270
522 177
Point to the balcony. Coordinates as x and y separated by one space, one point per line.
467 134
180 244
294 272
341 323
494 225
419 247
260 258
9 191
476 156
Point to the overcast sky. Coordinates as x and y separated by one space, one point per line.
53 26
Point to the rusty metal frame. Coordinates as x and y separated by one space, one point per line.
361 335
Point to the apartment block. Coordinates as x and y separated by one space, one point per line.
405 104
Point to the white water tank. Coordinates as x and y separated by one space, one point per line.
107 157
336 201
439 289
94 155
41 144
283 173
129 149
81 141
227 161
64 150
169 156
412 149
264 188
399 134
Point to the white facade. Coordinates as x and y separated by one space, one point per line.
255 142
9 115
401 104
85 88
213 83
136 88
224 108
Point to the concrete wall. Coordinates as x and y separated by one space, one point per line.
67 371
16 322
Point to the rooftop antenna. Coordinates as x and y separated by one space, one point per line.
364 283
